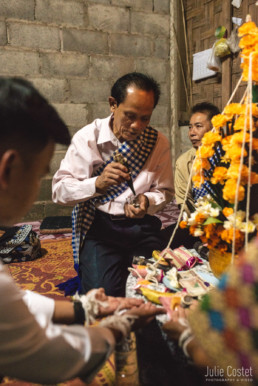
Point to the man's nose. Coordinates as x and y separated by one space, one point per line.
192 132
137 124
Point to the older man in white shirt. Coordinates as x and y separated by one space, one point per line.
109 229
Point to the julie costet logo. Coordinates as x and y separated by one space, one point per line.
229 373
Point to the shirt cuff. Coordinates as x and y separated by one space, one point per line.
39 304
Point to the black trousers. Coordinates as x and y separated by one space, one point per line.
109 248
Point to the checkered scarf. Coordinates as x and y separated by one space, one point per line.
136 153
205 188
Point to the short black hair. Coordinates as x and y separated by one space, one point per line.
140 81
206 108
27 121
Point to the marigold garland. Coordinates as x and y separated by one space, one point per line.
214 220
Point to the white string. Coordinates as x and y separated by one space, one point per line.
183 205
90 305
250 152
191 174
249 92
234 92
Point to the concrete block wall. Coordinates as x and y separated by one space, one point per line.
73 51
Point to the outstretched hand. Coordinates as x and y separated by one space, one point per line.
145 314
114 303
178 322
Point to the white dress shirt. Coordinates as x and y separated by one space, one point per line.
93 145
34 349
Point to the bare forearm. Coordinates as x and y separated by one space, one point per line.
64 312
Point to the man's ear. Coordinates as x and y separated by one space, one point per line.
112 104
7 162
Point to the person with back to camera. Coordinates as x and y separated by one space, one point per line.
32 347
107 229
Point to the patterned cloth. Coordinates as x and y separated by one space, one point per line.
205 187
226 324
136 153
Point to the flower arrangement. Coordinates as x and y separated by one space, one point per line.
223 219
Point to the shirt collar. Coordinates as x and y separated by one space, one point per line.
106 134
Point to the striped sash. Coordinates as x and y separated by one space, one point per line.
136 153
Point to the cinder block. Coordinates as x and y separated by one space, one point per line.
161 47
64 64
73 114
90 90
52 89
162 6
56 160
34 36
165 92
3 37
52 209
85 41
22 9
36 213
14 62
158 68
60 12
129 45
45 193
107 18
134 4
160 116
98 110
110 67
100 1
153 24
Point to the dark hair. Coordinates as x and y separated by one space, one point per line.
205 108
27 121
140 81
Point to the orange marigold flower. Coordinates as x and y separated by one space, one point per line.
209 230
206 151
234 153
210 138
183 224
226 142
228 234
254 178
230 191
200 218
219 120
219 175
255 144
241 122
238 138
219 229
234 170
234 108
203 239
227 211
222 247
254 108
213 241
201 163
248 40
192 229
198 180
246 28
